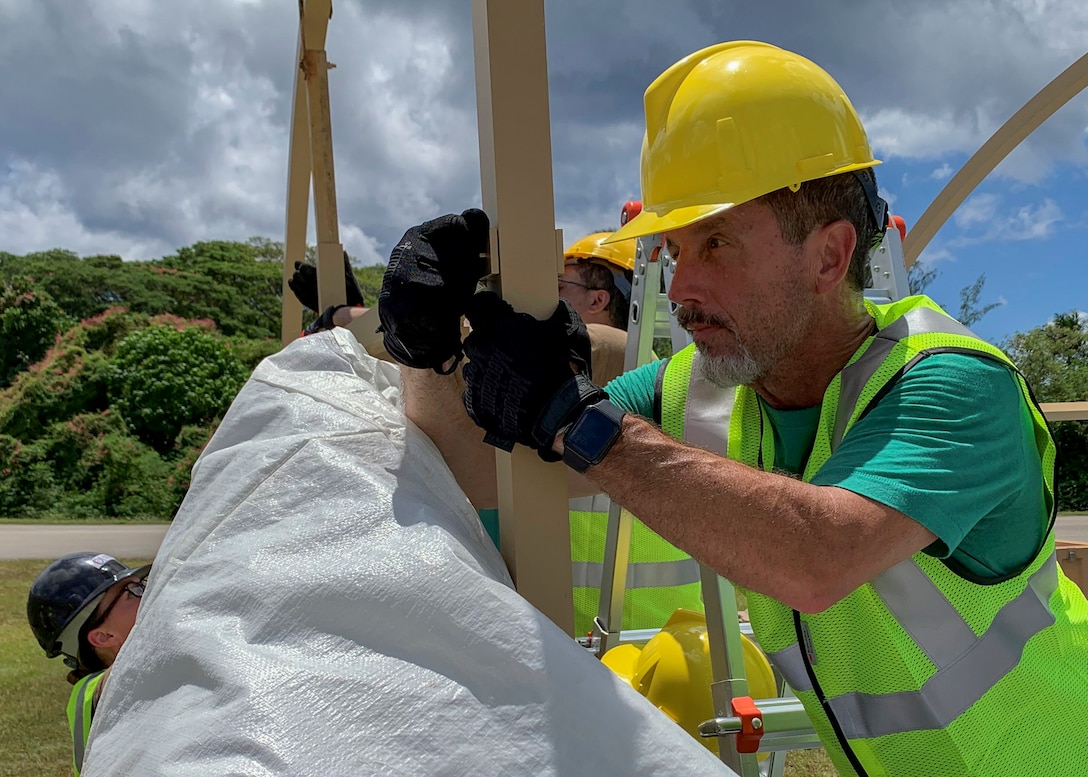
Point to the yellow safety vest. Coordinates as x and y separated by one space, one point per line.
921 672
660 577
80 710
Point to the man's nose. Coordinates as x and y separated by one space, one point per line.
685 288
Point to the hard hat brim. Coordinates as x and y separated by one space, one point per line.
650 223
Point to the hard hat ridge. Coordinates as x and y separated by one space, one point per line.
733 122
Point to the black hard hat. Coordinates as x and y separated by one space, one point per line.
65 595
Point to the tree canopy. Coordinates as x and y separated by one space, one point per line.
114 374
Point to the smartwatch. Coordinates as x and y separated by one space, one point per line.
592 435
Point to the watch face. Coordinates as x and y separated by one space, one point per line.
593 431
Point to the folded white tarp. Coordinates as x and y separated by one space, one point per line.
327 603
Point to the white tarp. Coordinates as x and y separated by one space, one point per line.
327 603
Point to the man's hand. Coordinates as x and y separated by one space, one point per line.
432 274
304 284
526 380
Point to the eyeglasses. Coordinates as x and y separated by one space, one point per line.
582 285
135 590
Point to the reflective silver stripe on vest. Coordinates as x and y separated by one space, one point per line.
789 662
648 574
707 412
967 666
919 321
79 744
598 503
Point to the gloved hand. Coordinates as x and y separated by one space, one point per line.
526 380
304 284
432 275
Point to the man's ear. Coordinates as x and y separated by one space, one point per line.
100 638
599 301
835 244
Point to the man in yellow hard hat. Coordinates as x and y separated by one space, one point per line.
596 279
877 477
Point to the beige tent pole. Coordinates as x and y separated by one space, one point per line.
298 202
311 158
1064 411
516 177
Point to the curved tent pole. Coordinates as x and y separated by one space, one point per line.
1067 85
1038 109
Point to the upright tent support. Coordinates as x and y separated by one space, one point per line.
526 249
311 159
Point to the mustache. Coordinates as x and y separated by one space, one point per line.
688 317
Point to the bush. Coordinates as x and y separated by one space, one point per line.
163 379
29 323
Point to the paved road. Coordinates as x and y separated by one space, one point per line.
126 541
133 541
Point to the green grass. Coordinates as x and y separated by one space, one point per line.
33 731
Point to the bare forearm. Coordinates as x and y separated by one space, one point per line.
433 403
805 545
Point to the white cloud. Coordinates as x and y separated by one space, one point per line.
942 173
981 220
35 215
979 209
159 124
934 255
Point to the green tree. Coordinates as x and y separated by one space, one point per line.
1054 359
229 283
30 321
920 276
70 379
164 378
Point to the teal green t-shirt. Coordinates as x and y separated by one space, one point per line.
951 445
489 517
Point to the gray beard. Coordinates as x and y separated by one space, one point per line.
728 371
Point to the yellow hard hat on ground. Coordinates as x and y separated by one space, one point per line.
673 671
733 122
621 254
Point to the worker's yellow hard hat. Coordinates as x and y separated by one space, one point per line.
733 122
621 254
673 671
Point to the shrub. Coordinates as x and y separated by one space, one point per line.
163 379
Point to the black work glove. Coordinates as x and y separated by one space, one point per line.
432 275
520 385
304 284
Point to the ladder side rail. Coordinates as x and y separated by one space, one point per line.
641 327
726 662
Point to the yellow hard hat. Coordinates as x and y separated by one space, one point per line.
621 254
733 122
673 671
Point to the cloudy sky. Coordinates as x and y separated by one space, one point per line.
137 126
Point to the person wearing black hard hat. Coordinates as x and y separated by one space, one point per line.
83 606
